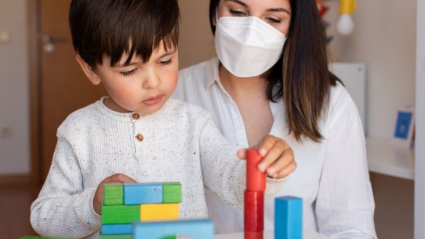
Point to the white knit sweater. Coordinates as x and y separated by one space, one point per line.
181 143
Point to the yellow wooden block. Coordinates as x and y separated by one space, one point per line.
159 212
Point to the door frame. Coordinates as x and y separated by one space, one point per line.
34 63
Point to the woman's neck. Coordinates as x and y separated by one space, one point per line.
243 87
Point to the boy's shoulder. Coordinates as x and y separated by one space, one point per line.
83 117
186 110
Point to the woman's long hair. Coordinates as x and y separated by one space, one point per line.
302 72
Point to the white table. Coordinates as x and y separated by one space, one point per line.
385 158
307 234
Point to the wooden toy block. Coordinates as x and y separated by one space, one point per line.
255 180
117 229
196 229
171 192
254 211
113 194
142 193
288 218
127 236
121 214
155 212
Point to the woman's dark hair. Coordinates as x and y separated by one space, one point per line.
302 71
110 28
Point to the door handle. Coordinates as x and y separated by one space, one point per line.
48 41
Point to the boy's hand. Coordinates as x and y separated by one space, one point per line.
278 157
98 196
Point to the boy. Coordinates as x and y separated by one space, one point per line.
137 133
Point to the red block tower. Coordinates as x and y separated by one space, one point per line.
254 197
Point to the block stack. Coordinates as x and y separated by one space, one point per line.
254 197
127 203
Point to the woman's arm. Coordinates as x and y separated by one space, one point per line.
345 204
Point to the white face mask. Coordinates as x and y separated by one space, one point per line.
247 46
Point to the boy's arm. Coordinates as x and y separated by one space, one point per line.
223 172
64 208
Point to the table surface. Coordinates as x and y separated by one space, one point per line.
308 234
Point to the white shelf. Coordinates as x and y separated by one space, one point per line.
385 158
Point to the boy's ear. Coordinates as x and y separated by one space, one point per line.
88 70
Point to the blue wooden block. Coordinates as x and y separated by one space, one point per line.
142 193
117 229
196 229
288 218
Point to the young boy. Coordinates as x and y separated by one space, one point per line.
138 133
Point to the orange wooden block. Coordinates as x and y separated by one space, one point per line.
159 212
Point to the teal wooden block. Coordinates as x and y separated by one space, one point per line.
120 214
124 236
117 229
288 218
113 194
171 192
142 193
195 229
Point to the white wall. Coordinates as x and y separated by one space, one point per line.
420 127
14 89
385 39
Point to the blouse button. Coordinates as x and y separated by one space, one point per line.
139 137
136 116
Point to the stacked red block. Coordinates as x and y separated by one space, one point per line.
254 197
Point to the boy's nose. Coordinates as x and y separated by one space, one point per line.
151 81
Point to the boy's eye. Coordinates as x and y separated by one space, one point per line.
167 62
238 13
128 73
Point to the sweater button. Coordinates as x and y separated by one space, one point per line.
135 116
139 137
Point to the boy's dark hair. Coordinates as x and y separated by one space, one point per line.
113 27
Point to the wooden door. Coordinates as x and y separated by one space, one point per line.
63 86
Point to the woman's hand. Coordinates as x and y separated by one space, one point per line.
98 196
278 158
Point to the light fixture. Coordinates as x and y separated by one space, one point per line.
345 24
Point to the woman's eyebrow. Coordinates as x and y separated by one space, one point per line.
239 2
278 10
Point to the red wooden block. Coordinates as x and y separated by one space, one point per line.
253 235
255 180
254 211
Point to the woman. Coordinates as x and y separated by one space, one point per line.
272 78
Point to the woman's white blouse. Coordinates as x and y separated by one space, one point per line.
331 177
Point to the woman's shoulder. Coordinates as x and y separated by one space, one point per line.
340 104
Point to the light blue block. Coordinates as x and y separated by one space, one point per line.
288 218
142 193
195 229
117 229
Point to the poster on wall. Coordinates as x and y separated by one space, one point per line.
404 131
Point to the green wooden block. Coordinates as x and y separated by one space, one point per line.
113 194
169 237
120 214
172 192
128 236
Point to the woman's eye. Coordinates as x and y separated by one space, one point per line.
274 20
238 13
167 62
128 73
